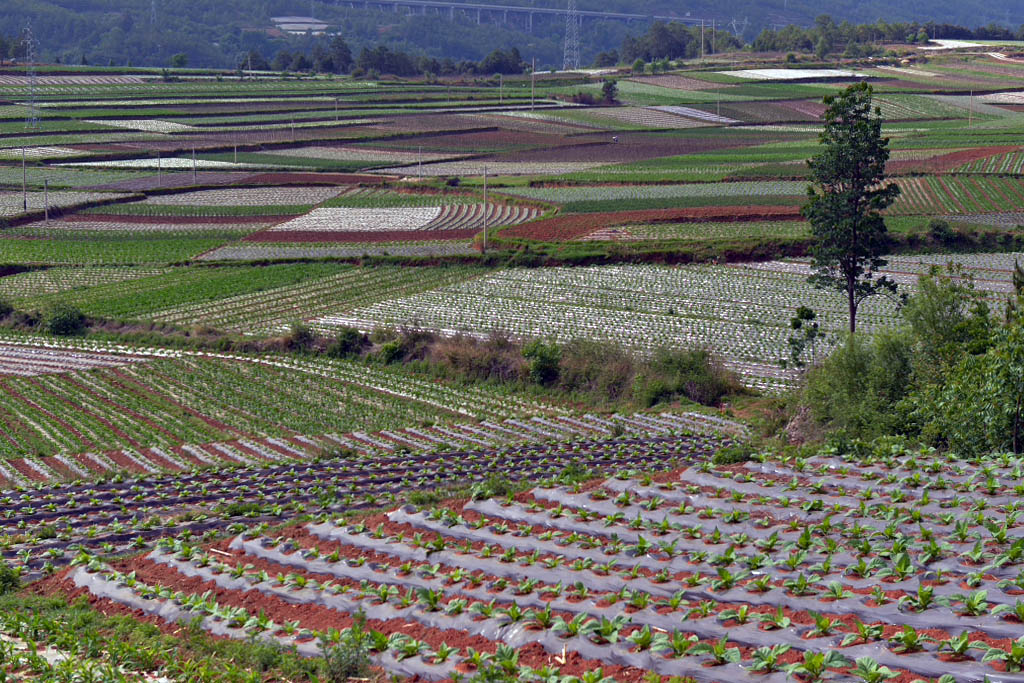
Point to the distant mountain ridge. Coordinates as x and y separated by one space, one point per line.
214 33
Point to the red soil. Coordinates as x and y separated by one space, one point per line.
571 227
947 162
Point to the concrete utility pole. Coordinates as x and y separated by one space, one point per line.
46 200
533 82
24 182
485 209
194 174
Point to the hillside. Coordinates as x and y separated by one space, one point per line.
214 34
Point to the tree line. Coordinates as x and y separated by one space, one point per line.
335 56
826 36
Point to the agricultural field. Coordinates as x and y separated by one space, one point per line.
254 373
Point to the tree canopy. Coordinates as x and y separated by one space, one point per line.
847 193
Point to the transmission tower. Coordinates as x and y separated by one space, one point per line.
32 117
152 13
571 60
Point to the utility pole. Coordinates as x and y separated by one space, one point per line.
970 110
46 200
158 169
24 182
501 89
485 209
533 82
702 40
194 174
419 162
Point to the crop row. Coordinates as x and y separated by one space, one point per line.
256 251
733 311
271 479
197 398
14 203
248 196
52 280
628 192
648 117
351 153
931 195
775 568
274 308
1010 162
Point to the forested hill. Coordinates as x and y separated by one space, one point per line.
213 33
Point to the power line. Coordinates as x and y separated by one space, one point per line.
571 59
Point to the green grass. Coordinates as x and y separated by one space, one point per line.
699 232
134 299
138 209
102 249
602 206
87 635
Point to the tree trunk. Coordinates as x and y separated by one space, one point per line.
1016 425
851 294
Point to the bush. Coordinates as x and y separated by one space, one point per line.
348 659
602 370
10 579
5 308
695 375
732 455
544 361
493 486
939 231
349 342
497 358
301 336
391 352
64 320
858 386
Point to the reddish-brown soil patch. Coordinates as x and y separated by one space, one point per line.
360 236
947 162
571 227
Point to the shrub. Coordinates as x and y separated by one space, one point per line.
348 659
64 320
858 386
544 361
939 231
694 374
732 455
497 358
5 308
391 352
10 579
301 336
349 342
602 370
493 486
